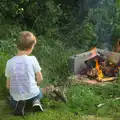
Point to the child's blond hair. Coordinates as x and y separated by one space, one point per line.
25 40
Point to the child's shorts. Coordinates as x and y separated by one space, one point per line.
39 96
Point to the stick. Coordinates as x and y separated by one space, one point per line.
109 79
100 105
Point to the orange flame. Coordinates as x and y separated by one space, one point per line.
100 74
97 65
94 52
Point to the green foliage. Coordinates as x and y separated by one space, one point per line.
51 104
53 57
3 60
48 20
41 16
83 35
118 2
103 18
8 35
85 98
9 31
8 11
116 31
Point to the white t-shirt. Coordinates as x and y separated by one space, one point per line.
21 72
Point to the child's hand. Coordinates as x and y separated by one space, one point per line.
39 78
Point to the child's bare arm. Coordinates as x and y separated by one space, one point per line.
7 74
39 78
37 70
7 83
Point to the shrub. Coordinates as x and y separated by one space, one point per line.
3 60
8 37
79 35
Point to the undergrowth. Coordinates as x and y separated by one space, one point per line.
53 57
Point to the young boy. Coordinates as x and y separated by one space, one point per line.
21 71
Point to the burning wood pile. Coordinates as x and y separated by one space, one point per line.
101 68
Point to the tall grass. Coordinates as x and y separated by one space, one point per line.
53 57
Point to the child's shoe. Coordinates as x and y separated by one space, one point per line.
37 106
20 106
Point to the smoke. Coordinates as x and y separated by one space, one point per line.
105 23
102 12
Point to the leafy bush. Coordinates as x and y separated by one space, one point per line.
79 35
3 60
116 31
8 37
47 22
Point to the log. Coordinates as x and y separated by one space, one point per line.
108 79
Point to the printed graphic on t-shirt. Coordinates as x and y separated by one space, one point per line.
20 79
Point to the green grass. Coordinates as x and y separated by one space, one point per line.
82 105
48 114
85 98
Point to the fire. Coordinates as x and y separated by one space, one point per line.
94 52
97 65
100 74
